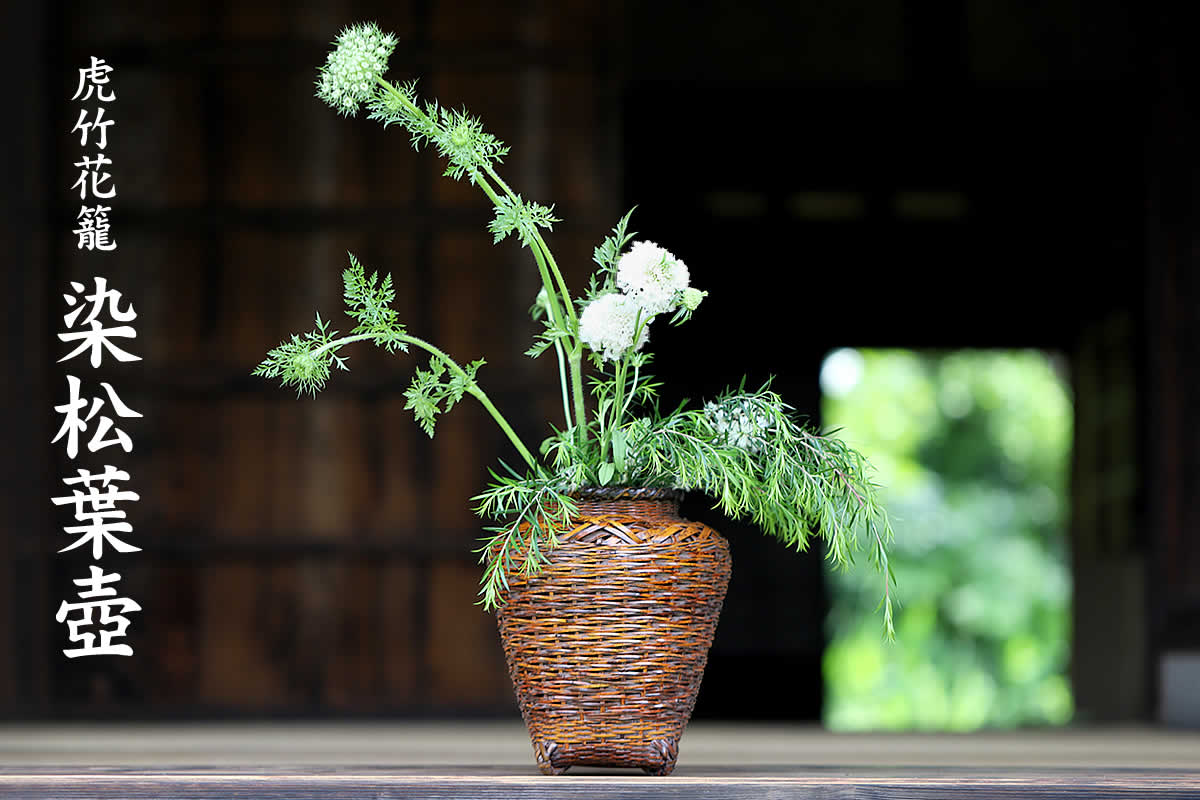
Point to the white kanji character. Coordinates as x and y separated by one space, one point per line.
95 79
99 530
73 425
93 229
99 123
98 299
123 605
89 168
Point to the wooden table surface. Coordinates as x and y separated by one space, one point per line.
494 759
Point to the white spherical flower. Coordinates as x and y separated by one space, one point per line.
608 324
653 276
349 76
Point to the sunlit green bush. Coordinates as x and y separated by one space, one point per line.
973 448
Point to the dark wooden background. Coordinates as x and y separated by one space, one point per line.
314 556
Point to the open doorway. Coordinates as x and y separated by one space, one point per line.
973 448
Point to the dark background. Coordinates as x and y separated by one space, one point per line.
916 173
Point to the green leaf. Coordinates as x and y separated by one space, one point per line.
368 302
619 443
606 473
514 215
545 339
429 395
421 400
461 140
607 252
458 385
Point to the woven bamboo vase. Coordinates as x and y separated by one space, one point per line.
606 645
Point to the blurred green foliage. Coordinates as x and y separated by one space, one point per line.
973 450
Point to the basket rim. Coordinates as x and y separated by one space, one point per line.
592 493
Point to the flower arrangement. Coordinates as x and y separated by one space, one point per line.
745 449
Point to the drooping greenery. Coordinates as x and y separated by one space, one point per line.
745 448
974 450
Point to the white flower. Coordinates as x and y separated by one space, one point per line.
739 423
653 277
607 325
350 72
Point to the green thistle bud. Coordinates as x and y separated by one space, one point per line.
692 297
351 71
541 305
306 371
461 136
304 365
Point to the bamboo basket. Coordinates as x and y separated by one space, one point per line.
606 645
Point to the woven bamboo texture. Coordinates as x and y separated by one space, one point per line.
607 644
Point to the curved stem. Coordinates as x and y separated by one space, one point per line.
477 392
338 343
473 388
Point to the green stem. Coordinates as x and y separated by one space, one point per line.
562 379
549 273
540 245
477 392
618 401
637 369
473 388
556 317
542 251
575 358
337 344
623 401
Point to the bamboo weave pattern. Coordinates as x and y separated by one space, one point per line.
607 644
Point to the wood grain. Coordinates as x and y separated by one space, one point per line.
492 759
212 783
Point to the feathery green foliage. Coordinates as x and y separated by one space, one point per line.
762 466
517 216
430 395
303 362
370 304
533 508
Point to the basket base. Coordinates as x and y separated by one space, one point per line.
657 757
